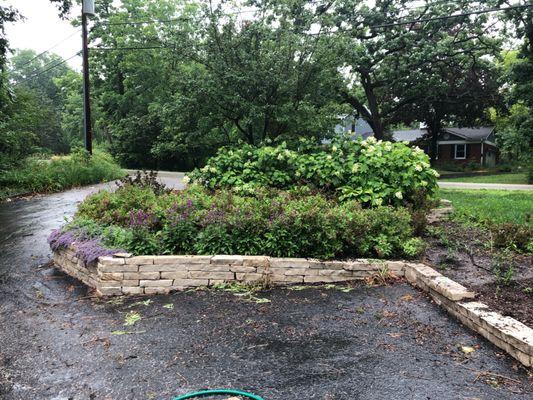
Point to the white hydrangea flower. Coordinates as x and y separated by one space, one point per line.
212 170
371 139
329 157
355 168
398 195
435 173
280 156
418 167
186 179
334 148
378 202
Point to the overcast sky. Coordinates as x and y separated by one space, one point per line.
42 29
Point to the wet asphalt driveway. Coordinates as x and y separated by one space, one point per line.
57 342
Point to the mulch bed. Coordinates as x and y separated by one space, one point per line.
464 254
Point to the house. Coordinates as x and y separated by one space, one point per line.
457 145
357 127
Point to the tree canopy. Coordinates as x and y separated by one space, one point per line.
174 80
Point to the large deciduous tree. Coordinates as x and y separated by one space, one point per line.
397 40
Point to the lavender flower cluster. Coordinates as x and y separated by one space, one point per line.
142 219
87 249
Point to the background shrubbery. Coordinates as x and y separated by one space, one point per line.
50 174
274 223
370 172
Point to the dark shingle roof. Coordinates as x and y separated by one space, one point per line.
473 134
469 134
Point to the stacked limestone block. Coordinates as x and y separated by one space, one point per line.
163 274
124 274
507 333
69 263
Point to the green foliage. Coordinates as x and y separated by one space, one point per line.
505 214
497 206
275 223
39 174
512 236
515 178
433 72
413 247
370 172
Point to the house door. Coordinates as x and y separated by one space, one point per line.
490 158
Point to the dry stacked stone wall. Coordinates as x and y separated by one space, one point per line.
124 274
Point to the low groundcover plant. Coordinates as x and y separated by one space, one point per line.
274 223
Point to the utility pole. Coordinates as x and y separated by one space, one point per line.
87 10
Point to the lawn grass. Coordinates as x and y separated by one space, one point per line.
491 206
511 178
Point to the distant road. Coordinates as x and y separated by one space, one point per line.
175 180
169 178
495 186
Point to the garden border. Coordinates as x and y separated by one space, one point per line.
123 274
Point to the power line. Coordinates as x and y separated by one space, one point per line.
370 27
491 10
163 21
50 49
129 48
399 23
59 63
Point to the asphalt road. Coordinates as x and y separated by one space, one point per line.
392 342
174 179
494 186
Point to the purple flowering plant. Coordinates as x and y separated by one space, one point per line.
87 249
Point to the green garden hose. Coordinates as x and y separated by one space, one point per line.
205 393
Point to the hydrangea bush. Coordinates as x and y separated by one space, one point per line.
371 172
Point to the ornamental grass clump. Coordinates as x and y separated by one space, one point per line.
371 172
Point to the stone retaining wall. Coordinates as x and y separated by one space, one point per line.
123 274
505 332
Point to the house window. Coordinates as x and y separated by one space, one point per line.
460 151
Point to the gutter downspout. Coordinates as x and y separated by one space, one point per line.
482 153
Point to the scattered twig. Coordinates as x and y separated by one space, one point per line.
481 374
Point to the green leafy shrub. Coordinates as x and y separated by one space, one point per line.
371 172
514 236
61 172
272 222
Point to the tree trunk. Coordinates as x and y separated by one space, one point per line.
434 128
374 121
